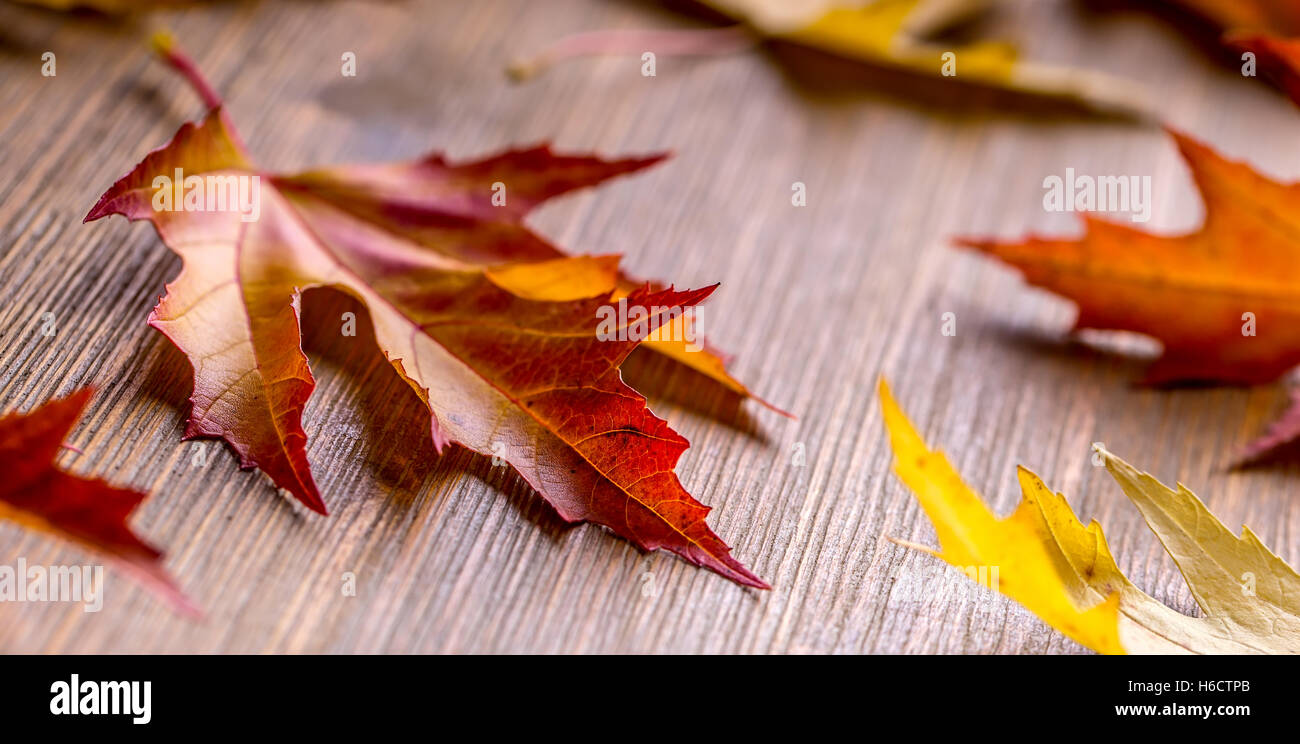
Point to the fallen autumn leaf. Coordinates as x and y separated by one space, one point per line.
502 372
1064 572
39 496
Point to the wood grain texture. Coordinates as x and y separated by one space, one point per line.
453 555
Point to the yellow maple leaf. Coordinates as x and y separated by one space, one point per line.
1062 571
890 33
885 34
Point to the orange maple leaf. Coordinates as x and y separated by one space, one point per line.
1224 300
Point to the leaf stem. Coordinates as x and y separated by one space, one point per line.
165 46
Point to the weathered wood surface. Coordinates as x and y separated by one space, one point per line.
451 554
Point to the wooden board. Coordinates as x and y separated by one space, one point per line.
452 554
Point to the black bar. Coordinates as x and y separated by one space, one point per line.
651 695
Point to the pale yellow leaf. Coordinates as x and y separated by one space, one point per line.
1048 561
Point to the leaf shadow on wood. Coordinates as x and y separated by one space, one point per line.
11 44
21 25
396 444
1192 29
1115 353
661 379
824 78
1285 458
168 378
1067 350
